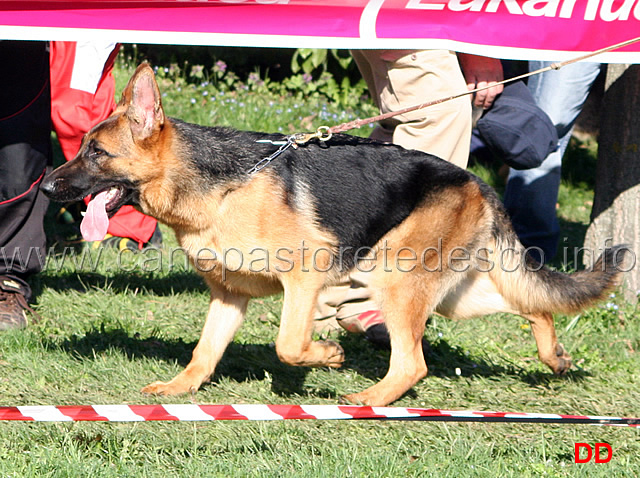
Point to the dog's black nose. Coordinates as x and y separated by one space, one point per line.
48 186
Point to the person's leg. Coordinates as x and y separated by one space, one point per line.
352 297
25 150
396 80
415 77
443 130
531 195
373 71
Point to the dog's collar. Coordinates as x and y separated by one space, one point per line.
284 145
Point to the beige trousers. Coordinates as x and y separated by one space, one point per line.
398 79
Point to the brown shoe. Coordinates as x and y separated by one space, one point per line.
13 303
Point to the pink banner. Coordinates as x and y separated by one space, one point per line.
522 29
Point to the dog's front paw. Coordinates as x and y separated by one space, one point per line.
357 399
564 361
168 388
336 356
322 353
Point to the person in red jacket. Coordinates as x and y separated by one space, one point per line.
83 94
69 87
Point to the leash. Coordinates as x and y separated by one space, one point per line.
324 133
357 123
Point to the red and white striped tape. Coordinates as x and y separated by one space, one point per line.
187 412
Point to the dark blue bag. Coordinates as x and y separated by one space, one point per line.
516 130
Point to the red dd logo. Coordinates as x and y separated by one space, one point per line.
591 452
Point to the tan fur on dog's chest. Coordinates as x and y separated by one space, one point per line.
252 230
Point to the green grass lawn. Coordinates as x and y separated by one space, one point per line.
105 333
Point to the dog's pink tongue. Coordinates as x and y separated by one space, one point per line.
95 222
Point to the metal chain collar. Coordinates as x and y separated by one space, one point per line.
323 133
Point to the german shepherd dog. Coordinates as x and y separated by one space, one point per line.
431 237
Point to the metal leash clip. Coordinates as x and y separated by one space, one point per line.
323 133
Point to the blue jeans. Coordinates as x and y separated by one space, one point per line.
531 195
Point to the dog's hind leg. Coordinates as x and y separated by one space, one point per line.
294 345
550 351
226 313
405 309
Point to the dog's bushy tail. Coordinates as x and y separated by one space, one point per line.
533 288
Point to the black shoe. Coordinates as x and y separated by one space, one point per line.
379 337
155 240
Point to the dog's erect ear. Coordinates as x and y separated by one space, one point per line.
142 100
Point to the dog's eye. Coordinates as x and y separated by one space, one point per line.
96 152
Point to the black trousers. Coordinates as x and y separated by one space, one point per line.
25 153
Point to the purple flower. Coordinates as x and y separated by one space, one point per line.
197 71
307 78
220 66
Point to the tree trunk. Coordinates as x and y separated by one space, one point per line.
615 217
